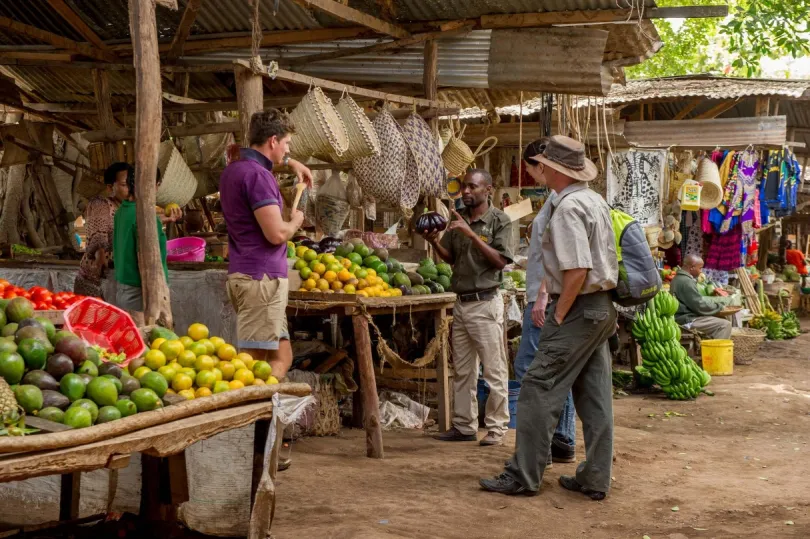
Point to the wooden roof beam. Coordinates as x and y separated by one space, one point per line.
600 16
56 40
415 39
692 105
348 14
61 7
717 110
184 29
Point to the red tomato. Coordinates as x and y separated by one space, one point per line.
52 308
26 295
9 294
40 306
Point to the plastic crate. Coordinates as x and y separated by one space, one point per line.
104 325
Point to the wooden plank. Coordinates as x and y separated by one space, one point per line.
156 305
430 77
600 16
59 57
410 374
183 30
443 377
249 95
70 496
717 110
56 40
285 75
414 386
178 479
763 106
125 133
388 46
368 388
684 112
348 14
61 7
261 429
406 308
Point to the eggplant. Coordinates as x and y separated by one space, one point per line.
329 244
430 222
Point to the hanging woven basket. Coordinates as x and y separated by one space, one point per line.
363 141
179 184
382 176
425 149
457 155
319 129
708 175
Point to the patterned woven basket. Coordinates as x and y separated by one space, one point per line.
382 176
425 149
457 156
319 129
179 183
746 343
363 141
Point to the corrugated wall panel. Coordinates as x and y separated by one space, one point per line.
723 132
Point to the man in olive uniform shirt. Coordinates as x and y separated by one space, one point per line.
477 244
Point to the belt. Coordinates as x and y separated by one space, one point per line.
478 296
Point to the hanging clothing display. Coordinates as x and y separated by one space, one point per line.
634 180
723 250
694 245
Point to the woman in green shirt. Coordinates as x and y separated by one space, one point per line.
129 295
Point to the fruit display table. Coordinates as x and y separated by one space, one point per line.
362 310
161 437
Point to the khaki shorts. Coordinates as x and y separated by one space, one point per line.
261 311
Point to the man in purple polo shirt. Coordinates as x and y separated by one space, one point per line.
257 239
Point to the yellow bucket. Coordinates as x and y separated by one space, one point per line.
718 357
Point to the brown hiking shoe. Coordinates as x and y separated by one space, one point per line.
455 435
492 438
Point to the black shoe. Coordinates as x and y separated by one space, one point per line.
283 464
506 484
561 452
569 482
455 435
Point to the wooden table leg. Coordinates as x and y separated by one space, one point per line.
263 491
442 376
69 498
368 387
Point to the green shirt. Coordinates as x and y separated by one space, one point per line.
125 245
692 304
472 272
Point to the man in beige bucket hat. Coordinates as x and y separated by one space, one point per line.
580 270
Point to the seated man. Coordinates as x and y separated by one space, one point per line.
796 258
696 311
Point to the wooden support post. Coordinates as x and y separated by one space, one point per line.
181 82
101 87
368 387
249 97
143 29
430 78
442 376
69 498
763 106
261 429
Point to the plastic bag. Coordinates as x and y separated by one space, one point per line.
354 194
398 410
331 206
334 187
370 207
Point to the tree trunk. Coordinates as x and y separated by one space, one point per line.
147 138
11 205
28 216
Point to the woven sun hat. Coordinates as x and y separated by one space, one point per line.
652 232
382 176
708 175
363 141
666 239
425 150
319 129
179 184
567 155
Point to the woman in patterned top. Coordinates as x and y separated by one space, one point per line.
98 216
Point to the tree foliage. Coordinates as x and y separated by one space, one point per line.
754 29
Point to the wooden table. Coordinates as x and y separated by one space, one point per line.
309 303
162 447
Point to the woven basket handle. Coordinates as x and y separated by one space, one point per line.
479 152
461 133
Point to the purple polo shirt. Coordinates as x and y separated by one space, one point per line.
245 186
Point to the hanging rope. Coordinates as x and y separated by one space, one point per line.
256 39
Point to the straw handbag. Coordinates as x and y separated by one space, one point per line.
382 176
179 184
709 176
457 156
363 141
425 150
319 129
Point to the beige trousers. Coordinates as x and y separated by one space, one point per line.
478 337
712 327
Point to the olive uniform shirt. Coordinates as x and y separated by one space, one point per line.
579 235
472 272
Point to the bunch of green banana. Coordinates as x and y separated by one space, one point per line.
665 303
790 325
649 327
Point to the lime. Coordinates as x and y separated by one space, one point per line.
126 407
206 379
77 418
221 387
186 358
154 359
204 363
262 370
168 372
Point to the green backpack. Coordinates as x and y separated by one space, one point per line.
639 280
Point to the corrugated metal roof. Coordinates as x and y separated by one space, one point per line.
234 16
703 86
34 13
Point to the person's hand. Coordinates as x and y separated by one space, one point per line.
460 224
302 171
175 214
431 237
539 313
558 319
297 218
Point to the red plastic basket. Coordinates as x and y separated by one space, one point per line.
104 325
188 249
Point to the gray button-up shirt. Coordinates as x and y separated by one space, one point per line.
579 235
534 264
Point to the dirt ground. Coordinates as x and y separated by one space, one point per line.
736 465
